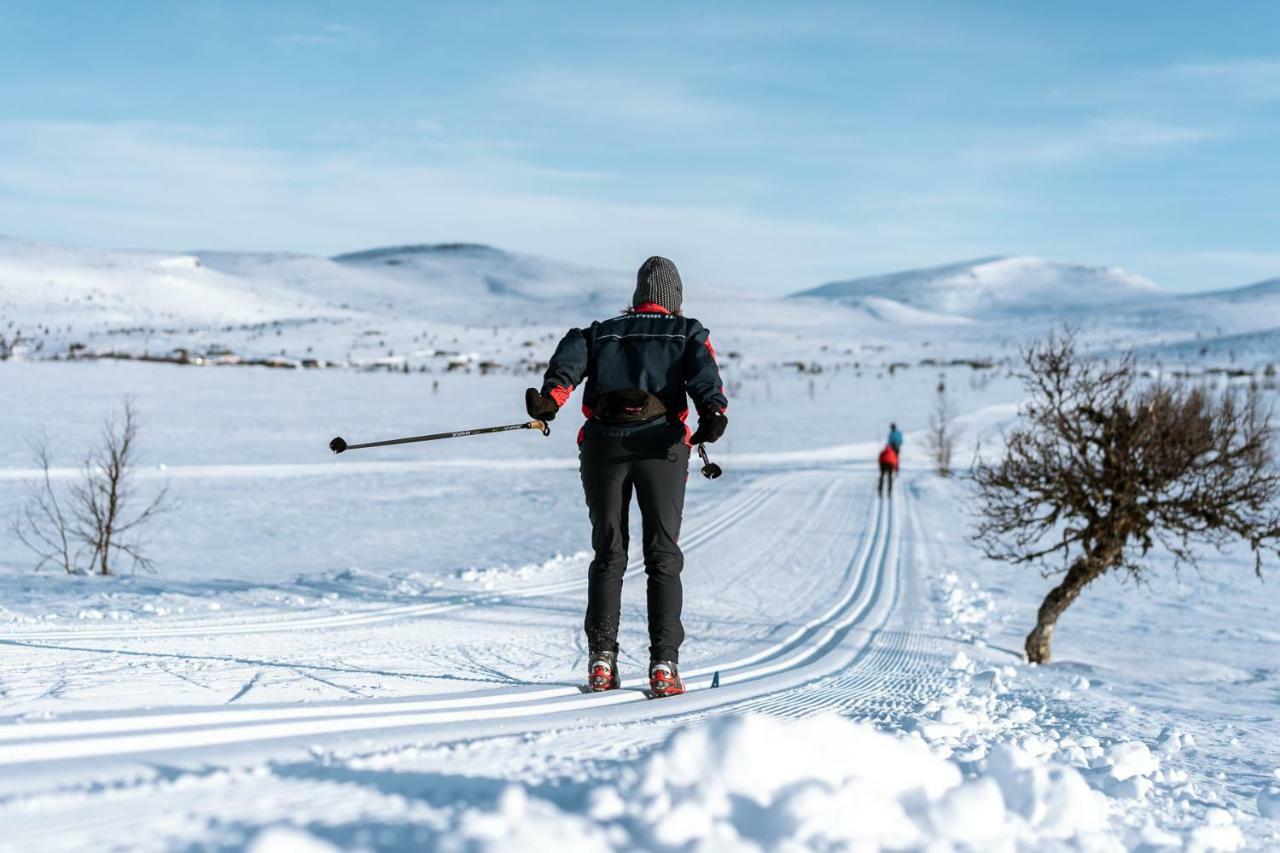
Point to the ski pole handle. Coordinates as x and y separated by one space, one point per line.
338 444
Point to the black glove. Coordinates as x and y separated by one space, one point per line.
539 405
711 425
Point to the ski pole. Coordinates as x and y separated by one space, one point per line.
710 470
339 444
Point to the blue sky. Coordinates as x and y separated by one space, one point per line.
772 146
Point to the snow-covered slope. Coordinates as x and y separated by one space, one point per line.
1237 326
374 305
450 306
481 277
382 649
49 285
996 285
221 286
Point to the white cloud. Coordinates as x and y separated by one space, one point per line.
148 185
1103 137
1204 88
1249 79
642 105
328 35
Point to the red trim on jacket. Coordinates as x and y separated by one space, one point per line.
587 412
712 350
649 308
688 433
561 393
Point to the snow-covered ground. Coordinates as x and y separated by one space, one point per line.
382 650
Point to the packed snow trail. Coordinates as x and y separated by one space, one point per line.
729 608
732 514
863 647
873 585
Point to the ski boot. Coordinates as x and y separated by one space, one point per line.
602 672
664 679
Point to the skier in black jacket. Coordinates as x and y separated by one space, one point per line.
640 368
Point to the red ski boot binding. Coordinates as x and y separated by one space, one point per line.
664 679
602 672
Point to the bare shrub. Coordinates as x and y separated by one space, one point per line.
96 524
42 525
1101 469
940 440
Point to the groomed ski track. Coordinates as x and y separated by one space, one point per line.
867 652
851 631
721 520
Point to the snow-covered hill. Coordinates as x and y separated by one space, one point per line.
996 286
52 285
483 280
222 286
373 305
453 305
382 649
416 306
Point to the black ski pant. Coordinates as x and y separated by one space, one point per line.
886 473
655 471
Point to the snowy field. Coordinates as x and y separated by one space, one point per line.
382 650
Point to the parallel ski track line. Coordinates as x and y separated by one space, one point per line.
898 670
902 664
869 573
744 505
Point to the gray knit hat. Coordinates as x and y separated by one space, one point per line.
658 281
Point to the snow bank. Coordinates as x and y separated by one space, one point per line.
1269 798
1158 794
756 782
287 839
492 577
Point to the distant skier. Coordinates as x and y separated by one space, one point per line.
888 468
639 370
895 439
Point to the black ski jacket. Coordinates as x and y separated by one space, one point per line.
667 356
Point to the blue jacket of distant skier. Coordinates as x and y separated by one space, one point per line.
895 440
648 349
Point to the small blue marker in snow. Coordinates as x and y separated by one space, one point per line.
715 678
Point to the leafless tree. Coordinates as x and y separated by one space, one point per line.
940 441
97 523
42 525
1102 468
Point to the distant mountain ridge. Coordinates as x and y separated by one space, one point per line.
397 302
1258 288
389 252
996 285
465 275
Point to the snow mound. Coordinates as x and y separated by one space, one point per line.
287 839
1269 799
995 286
756 782
491 577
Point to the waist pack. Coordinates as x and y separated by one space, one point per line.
628 406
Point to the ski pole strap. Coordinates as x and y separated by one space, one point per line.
538 425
